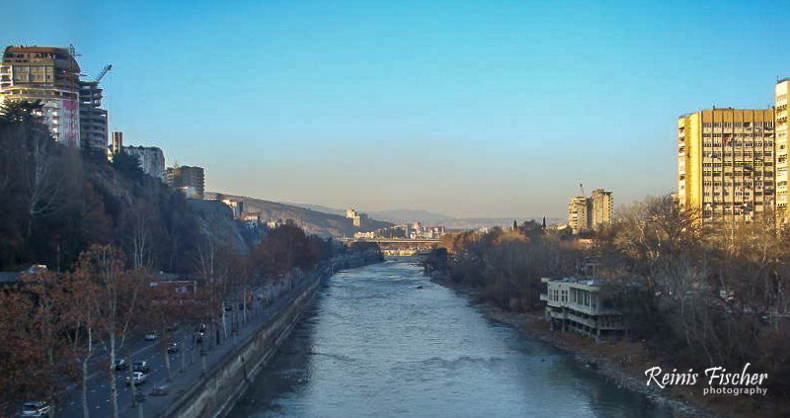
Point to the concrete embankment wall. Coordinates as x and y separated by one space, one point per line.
214 394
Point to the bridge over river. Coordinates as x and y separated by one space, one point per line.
400 246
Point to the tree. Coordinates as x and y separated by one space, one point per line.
82 320
128 165
117 290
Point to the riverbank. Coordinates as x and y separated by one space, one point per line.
622 362
212 394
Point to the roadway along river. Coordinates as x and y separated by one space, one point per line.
376 345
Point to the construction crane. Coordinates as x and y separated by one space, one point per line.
103 73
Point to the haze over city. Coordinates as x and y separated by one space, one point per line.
494 109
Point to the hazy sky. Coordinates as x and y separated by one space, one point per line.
474 109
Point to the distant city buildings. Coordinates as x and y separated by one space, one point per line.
405 231
586 214
48 74
577 214
188 180
601 207
358 219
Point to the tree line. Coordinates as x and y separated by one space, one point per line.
698 294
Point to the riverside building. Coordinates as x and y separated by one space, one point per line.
582 305
726 163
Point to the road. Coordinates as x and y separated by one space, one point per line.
151 351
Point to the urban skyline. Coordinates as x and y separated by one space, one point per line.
464 110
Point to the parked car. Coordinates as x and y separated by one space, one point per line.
151 336
121 364
141 366
172 347
138 377
36 409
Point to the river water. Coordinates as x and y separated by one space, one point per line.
376 345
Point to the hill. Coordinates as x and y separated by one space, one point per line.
312 221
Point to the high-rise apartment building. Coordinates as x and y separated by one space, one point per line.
587 213
578 214
189 180
93 119
601 205
782 132
726 163
152 160
50 75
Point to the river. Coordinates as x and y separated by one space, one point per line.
377 345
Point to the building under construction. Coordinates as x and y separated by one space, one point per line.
50 75
72 108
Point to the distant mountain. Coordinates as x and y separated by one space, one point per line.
312 221
400 216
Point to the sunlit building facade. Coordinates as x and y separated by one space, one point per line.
726 163
782 130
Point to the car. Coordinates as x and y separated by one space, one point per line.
151 336
36 409
138 377
172 347
161 390
121 364
141 366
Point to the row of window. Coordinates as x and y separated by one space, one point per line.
738 124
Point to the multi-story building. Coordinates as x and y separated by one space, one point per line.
583 305
237 206
152 159
588 213
726 163
782 136
358 219
578 214
93 119
601 203
117 143
48 74
189 180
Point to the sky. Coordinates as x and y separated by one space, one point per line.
466 108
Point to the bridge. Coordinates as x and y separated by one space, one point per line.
400 247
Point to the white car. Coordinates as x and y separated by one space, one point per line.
138 377
150 336
36 409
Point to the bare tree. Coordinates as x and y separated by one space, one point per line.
117 291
